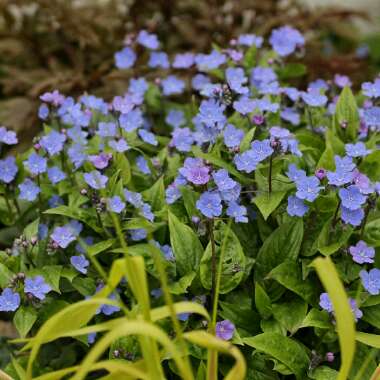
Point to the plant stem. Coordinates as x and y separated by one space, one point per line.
335 218
213 259
270 174
366 212
9 207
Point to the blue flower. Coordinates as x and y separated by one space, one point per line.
261 150
142 164
36 164
361 253
199 81
77 155
371 116
183 61
262 75
138 234
148 40
238 212
231 195
353 217
172 85
63 236
7 137
314 98
148 137
53 142
146 212
107 129
132 120
172 193
351 197
80 263
339 177
246 161
211 113
236 80
115 204
285 40
210 204
325 302
295 174
290 115
232 136
134 199
28 190
371 281
9 300
95 180
265 105
55 201
175 118
210 61
250 40
182 139
357 150
119 145
308 188
43 111
158 59
125 58
222 180
372 90
56 175
37 287
244 105
296 206
8 169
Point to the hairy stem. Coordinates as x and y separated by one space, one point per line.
270 174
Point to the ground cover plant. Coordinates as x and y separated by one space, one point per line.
214 221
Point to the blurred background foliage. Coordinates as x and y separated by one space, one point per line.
69 44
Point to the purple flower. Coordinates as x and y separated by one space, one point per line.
142 164
120 146
43 111
222 180
261 149
372 90
8 169
285 40
210 204
325 302
250 40
238 212
182 139
53 142
362 182
158 59
7 137
125 58
107 129
244 105
183 61
80 263
55 175
308 188
210 61
357 150
342 80
211 113
54 98
351 197
148 137
225 329
132 120
195 171
37 287
172 85
148 40
100 161
115 204
353 217
9 300
95 180
236 80
320 173
314 98
36 164
28 190
371 116
232 136
361 253
63 236
175 118
296 206
371 281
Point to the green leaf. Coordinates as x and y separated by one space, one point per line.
85 286
323 373
233 260
180 287
346 111
326 160
51 274
250 57
317 318
262 302
371 340
190 198
344 317
268 202
246 141
290 314
372 315
156 195
186 246
24 319
123 165
289 275
372 233
102 246
283 244
286 350
292 70
5 276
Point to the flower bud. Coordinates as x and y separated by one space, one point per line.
330 357
320 173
